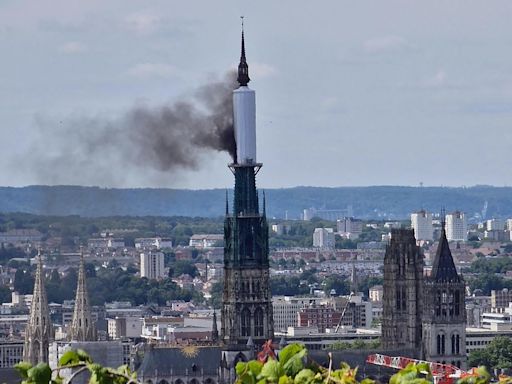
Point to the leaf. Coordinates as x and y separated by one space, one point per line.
289 351
255 367
240 368
69 357
271 371
285 380
40 374
304 376
22 368
83 356
294 363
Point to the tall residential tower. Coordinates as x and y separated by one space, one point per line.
246 304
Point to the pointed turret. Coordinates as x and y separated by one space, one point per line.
215 332
82 327
443 268
39 329
243 69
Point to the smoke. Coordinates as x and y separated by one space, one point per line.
158 139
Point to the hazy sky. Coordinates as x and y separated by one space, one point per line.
348 92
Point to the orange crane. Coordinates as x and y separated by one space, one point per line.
442 373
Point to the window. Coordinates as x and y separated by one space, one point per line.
246 322
258 322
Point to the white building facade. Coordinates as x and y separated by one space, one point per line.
323 238
152 265
456 226
421 222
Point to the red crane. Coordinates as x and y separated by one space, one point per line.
442 373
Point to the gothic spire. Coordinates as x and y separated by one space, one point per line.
215 332
243 69
443 268
39 328
82 327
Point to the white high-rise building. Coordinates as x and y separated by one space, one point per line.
349 227
152 265
421 222
456 226
323 238
495 225
509 224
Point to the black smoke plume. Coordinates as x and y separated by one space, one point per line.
164 139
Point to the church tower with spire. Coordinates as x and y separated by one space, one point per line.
444 313
39 331
82 326
246 306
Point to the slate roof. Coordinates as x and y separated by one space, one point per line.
180 359
443 269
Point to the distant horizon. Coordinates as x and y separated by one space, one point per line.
261 188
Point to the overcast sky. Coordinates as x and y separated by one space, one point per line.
348 92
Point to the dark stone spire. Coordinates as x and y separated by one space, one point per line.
443 269
243 69
215 332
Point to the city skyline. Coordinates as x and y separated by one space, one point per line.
348 94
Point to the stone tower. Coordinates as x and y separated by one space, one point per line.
402 292
39 329
82 326
246 304
444 313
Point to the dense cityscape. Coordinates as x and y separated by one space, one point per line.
195 299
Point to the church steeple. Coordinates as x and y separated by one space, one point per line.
443 268
215 332
39 329
243 69
82 327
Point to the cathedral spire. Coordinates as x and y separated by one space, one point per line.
443 268
243 69
82 327
39 328
215 332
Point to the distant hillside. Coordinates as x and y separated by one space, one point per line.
366 202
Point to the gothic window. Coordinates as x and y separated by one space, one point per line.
457 344
451 304
438 303
444 303
457 303
453 344
258 322
246 322
404 299
441 344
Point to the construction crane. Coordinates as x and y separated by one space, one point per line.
340 323
442 373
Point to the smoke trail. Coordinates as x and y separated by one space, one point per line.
165 138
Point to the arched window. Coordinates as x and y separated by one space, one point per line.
457 303
179 381
246 322
438 303
258 322
457 344
163 382
441 344
453 344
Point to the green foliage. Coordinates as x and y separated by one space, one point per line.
494 265
183 267
79 361
496 355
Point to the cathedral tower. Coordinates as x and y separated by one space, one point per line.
246 305
39 329
444 313
403 287
82 326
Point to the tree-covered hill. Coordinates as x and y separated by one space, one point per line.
366 202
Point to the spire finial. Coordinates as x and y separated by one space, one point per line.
243 69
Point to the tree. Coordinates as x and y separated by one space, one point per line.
184 267
497 355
